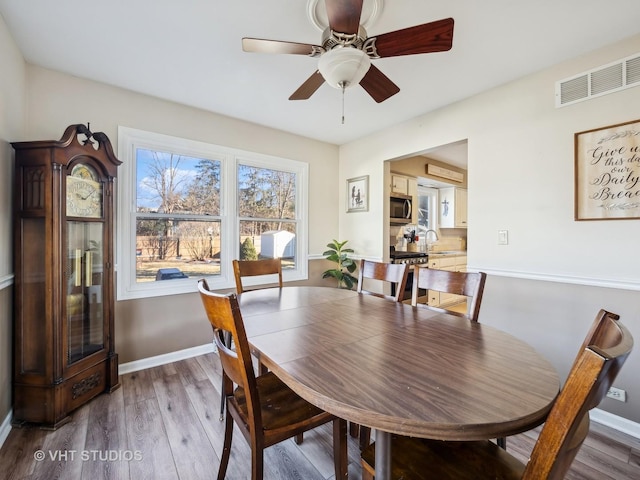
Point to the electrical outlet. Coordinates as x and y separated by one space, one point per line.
617 394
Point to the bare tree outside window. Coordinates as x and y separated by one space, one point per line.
178 223
178 200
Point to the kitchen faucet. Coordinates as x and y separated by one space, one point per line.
427 233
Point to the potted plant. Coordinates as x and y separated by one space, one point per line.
338 253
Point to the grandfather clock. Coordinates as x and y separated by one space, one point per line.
63 321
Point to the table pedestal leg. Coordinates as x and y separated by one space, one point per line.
383 455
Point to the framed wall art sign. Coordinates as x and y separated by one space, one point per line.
358 194
607 172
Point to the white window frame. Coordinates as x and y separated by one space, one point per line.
129 140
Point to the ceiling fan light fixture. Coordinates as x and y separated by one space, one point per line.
343 67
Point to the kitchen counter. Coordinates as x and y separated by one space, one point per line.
445 253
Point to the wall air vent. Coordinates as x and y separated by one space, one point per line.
610 78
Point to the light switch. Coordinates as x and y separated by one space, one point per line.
503 237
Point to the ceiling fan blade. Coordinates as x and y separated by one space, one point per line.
427 38
309 87
259 45
344 15
378 85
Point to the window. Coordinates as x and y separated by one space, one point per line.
427 211
186 209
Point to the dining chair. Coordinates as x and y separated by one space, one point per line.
468 284
395 274
263 408
254 268
604 351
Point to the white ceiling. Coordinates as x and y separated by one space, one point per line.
189 51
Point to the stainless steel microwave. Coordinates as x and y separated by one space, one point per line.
400 209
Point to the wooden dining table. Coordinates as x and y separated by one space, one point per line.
396 368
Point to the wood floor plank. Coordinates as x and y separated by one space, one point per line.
210 364
284 460
190 371
62 449
106 445
146 434
205 399
137 386
162 371
189 443
599 461
608 446
22 444
317 448
613 435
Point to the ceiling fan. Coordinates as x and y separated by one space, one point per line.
346 52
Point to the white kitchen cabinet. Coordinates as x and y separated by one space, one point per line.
453 263
453 207
400 184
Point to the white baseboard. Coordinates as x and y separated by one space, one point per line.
158 360
614 421
5 427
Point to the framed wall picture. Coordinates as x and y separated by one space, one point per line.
358 194
607 172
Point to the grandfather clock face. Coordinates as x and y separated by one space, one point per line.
84 192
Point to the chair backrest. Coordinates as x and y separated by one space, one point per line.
604 351
469 284
388 272
224 315
253 268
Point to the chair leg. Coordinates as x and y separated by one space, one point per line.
340 448
502 442
227 342
354 429
365 437
257 462
226 447
222 401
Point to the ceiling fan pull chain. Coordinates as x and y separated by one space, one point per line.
343 87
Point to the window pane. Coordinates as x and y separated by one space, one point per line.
268 240
168 249
266 193
172 183
427 199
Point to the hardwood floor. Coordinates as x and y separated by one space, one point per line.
163 424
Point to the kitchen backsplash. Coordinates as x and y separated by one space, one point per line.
449 243
448 239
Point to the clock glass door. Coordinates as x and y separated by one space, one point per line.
84 289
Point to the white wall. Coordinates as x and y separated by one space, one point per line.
548 283
12 123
